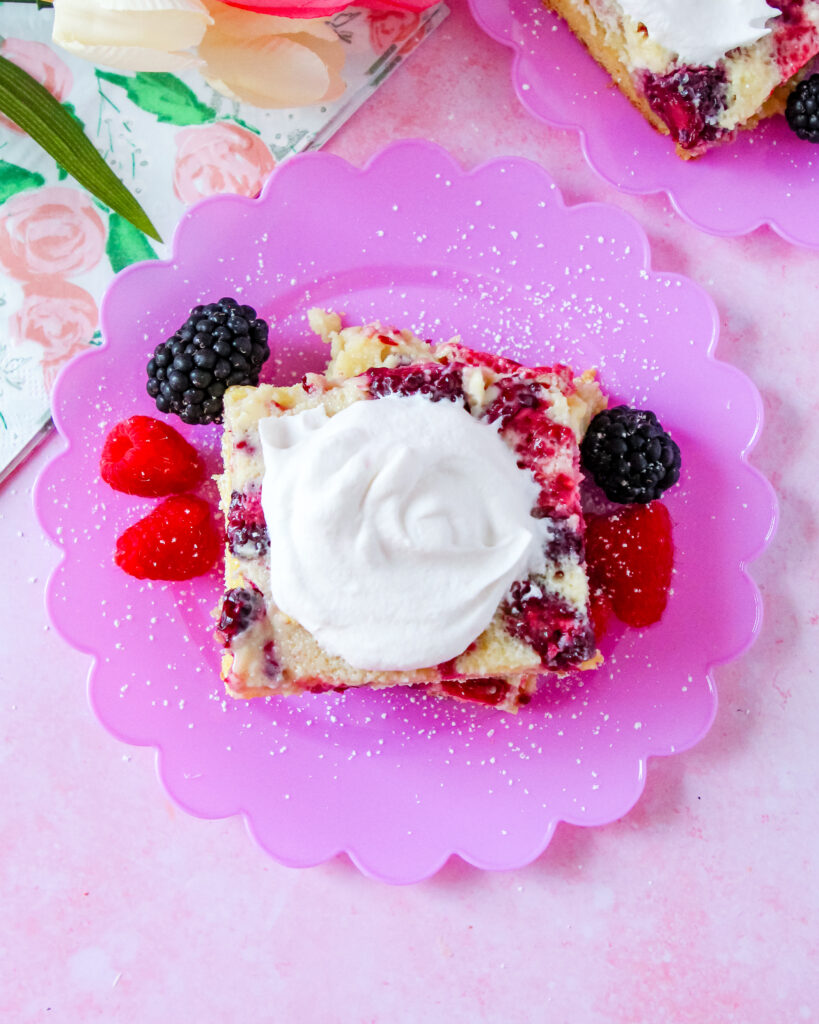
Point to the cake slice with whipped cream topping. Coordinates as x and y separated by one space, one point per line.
699 70
409 517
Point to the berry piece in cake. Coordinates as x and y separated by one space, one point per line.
630 560
522 409
512 396
629 455
246 529
546 622
219 345
479 691
240 608
177 541
437 383
802 110
688 101
143 456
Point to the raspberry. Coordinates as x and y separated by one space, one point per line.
145 457
599 611
177 541
630 558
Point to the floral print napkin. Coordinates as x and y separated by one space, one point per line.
173 141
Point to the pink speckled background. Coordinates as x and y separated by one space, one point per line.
699 907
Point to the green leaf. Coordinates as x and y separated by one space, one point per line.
15 179
48 123
62 173
244 124
125 244
163 95
73 112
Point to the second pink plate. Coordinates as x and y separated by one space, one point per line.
398 780
766 177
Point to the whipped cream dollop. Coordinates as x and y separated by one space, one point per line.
702 31
396 527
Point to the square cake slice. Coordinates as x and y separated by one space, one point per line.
332 567
699 70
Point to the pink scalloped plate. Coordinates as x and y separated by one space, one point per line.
398 780
765 177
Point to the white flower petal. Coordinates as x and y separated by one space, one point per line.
153 32
274 72
132 58
146 6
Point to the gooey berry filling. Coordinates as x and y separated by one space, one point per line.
543 447
433 380
549 625
481 691
240 608
246 528
688 101
270 663
547 450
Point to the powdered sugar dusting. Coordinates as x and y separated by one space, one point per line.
511 269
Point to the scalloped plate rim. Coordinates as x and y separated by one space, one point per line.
503 36
356 856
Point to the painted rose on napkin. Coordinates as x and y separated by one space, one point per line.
388 28
219 158
50 232
60 317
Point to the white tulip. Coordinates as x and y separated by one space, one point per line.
136 35
269 61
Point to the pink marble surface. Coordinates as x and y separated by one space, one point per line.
699 906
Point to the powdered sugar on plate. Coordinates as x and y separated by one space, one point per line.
398 780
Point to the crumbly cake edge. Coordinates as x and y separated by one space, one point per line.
609 59
520 684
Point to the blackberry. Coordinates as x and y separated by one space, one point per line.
629 455
802 110
219 345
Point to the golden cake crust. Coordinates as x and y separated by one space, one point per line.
497 656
